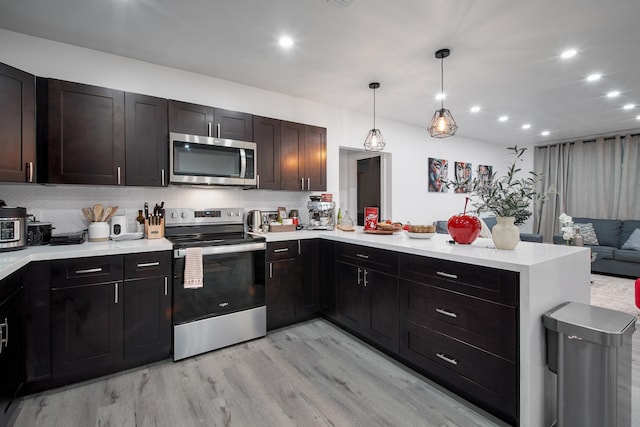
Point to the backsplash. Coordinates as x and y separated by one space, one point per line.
62 204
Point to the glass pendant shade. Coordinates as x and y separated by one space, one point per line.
374 141
442 124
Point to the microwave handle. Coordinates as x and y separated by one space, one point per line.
243 163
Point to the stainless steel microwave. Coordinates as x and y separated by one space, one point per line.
204 160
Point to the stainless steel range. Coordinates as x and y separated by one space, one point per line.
228 307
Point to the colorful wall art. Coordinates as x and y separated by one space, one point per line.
438 175
462 177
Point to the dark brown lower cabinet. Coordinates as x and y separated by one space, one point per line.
280 285
86 327
12 373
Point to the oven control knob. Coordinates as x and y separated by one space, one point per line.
173 215
230 213
182 215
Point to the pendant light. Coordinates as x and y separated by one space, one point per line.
442 124
374 140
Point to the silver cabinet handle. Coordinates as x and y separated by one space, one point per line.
116 299
299 250
308 183
447 359
365 278
162 177
29 171
223 304
166 286
302 183
270 270
277 251
209 129
89 270
448 275
149 264
359 272
446 313
257 180
4 337
118 175
218 130
362 256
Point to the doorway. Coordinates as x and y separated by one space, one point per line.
367 186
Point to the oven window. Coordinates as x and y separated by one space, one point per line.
205 160
232 282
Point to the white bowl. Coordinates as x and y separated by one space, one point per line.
420 235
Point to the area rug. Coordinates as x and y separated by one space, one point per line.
615 293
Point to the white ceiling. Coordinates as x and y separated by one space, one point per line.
504 54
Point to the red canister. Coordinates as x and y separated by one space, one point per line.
370 218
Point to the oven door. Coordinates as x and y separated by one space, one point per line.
233 278
212 161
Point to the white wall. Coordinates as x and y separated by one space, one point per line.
411 146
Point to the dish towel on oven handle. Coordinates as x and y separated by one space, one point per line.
193 268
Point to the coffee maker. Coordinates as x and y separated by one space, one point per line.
321 215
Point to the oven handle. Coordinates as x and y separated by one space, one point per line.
224 249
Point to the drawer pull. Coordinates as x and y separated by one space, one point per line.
277 251
89 270
362 256
223 304
447 359
149 264
447 275
446 313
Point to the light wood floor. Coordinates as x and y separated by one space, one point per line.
311 374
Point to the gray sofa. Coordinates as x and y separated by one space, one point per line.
612 234
441 227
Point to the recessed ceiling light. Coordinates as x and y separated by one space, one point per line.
593 77
637 117
441 96
570 53
629 106
475 109
613 94
285 42
545 133
503 118
526 126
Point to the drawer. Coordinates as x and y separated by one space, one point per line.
282 250
147 264
368 258
483 282
481 377
482 323
82 271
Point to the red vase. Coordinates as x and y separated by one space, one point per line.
464 229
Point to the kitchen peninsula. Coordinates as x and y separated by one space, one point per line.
523 284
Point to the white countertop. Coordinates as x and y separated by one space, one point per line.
14 260
480 252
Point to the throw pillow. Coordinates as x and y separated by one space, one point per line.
588 233
633 242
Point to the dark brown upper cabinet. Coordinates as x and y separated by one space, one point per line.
82 138
147 144
194 119
266 132
303 157
17 125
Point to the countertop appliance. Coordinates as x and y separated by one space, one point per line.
321 215
230 307
203 160
39 233
254 220
13 228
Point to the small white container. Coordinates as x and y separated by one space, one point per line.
98 231
287 221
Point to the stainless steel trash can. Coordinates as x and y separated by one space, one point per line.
589 348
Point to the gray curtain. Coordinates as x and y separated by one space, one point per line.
591 178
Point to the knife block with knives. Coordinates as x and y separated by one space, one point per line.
154 224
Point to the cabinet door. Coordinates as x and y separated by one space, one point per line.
280 285
233 125
314 158
85 134
11 353
382 307
192 119
328 275
350 293
147 144
17 125
307 286
266 134
87 327
291 149
147 319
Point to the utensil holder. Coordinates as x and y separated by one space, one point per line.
98 231
155 231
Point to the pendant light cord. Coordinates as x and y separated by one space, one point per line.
374 108
441 83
